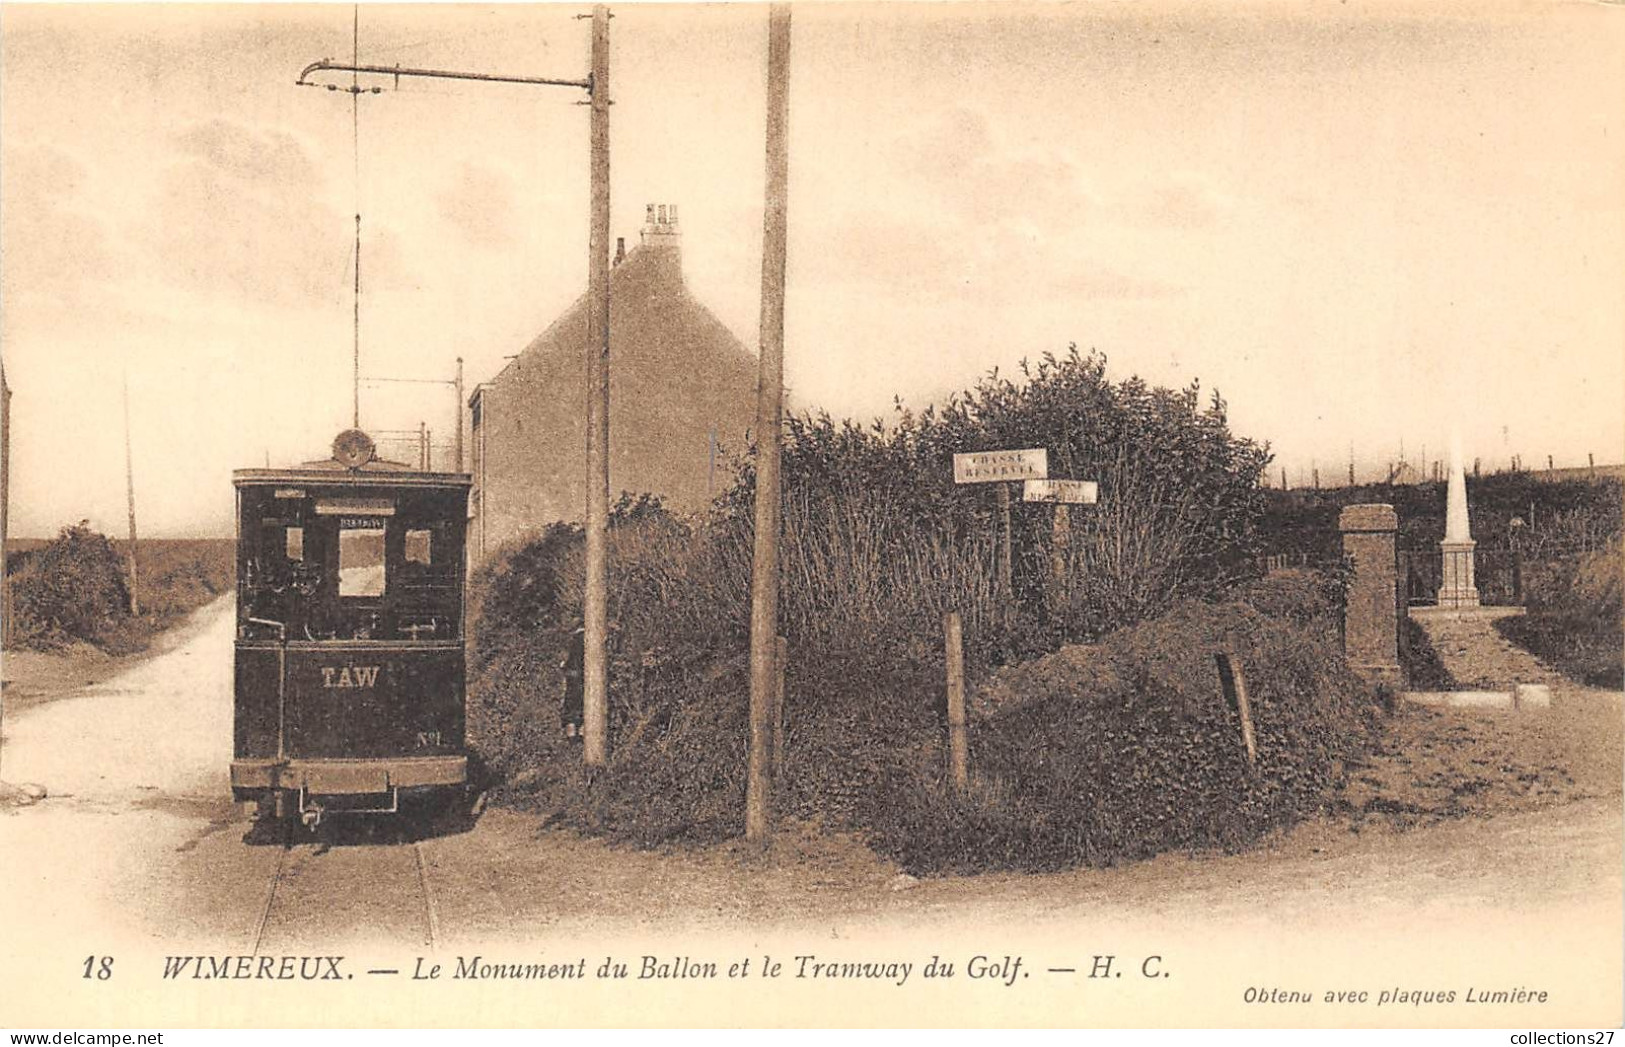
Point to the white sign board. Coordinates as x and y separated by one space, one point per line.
1073 492
982 467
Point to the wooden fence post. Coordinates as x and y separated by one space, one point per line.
1234 685
958 749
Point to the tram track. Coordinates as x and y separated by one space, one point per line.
347 883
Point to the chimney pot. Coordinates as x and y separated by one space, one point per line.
649 213
662 214
620 249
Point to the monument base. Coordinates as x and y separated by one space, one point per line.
1456 588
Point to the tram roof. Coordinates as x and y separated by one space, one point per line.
376 473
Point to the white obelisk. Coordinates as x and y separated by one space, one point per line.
1456 588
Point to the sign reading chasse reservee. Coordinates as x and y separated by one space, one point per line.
981 467
1072 492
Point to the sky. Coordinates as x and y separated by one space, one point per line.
1368 225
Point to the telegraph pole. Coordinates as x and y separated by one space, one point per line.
595 612
764 577
129 490
5 502
461 406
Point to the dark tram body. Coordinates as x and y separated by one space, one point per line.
349 661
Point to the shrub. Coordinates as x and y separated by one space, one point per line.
1575 618
878 543
1299 595
1123 749
73 589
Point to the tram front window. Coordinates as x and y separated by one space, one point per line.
361 562
319 568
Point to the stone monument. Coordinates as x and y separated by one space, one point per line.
1456 586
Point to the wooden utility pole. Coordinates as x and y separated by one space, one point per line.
129 490
462 466
5 502
595 610
764 578
423 447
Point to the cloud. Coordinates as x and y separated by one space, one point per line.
958 165
482 205
271 157
53 246
242 215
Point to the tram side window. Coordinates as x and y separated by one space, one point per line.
419 547
361 562
294 544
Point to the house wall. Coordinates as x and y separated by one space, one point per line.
677 376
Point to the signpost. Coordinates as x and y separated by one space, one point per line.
1002 468
1061 492
981 467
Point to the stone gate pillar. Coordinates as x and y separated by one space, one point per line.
1371 614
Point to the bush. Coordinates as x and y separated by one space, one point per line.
1575 618
73 589
1300 595
1124 749
878 543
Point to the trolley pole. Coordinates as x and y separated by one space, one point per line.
595 612
355 335
764 578
129 490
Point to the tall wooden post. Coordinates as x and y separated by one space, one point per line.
781 660
595 610
6 629
958 747
129 490
462 466
764 579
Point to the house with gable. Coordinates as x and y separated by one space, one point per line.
682 392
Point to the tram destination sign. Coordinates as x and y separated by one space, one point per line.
983 467
1064 492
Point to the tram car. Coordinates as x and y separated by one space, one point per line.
349 660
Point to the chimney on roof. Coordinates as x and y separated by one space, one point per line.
620 250
660 229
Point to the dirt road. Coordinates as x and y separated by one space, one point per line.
139 852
